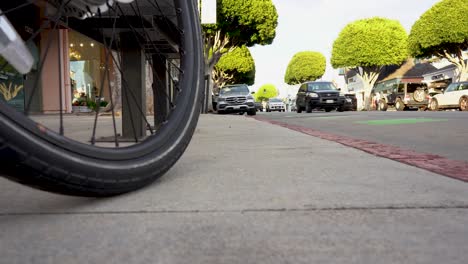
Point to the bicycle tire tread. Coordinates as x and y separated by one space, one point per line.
47 177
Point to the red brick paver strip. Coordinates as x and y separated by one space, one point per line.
451 168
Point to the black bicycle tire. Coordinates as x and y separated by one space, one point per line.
42 159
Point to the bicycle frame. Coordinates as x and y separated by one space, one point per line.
12 47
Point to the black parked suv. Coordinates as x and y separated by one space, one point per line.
236 98
404 96
319 95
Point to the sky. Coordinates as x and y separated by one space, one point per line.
313 25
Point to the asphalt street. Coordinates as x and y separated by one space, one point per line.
442 133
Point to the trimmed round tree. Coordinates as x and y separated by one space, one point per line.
305 66
247 22
237 66
442 31
266 92
367 45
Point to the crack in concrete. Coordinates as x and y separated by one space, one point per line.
244 211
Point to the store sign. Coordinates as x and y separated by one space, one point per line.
208 11
12 89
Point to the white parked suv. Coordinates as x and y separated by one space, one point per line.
455 96
275 104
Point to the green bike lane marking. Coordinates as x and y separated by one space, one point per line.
331 117
400 121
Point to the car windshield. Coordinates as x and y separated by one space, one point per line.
275 100
412 87
452 87
321 86
227 90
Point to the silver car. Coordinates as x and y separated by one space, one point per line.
236 98
275 104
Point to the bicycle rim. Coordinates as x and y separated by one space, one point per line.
105 153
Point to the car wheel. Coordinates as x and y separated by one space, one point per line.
298 109
434 106
251 113
464 103
308 108
383 106
399 105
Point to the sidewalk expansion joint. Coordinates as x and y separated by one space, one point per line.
245 211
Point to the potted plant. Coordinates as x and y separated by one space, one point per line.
80 105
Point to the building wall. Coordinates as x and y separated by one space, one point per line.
356 86
50 78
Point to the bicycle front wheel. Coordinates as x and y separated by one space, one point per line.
116 53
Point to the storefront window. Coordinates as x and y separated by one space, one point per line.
86 68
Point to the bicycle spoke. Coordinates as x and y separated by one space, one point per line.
42 60
61 129
156 30
16 8
151 61
98 103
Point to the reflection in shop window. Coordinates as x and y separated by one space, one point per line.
87 68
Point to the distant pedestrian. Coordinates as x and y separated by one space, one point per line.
264 103
377 100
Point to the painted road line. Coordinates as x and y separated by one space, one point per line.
400 121
451 168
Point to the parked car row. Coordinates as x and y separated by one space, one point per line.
325 96
404 96
411 95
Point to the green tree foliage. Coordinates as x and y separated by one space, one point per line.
367 45
442 31
266 92
305 66
237 66
246 22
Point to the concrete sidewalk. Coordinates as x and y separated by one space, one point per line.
249 192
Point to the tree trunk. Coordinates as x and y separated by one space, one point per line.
367 96
462 71
215 47
458 61
369 77
209 73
